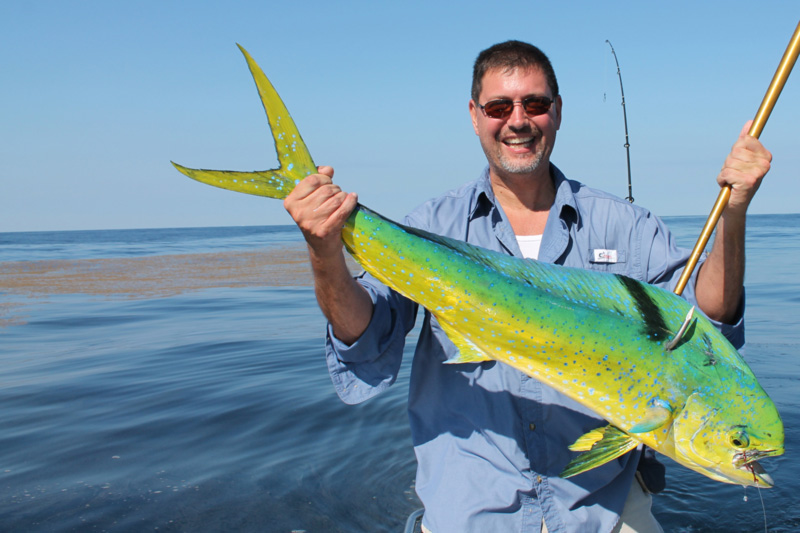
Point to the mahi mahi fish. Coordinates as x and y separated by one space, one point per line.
658 372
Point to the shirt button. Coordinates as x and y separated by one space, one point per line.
538 479
531 426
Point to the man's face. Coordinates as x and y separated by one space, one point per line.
517 144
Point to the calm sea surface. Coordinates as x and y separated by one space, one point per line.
174 380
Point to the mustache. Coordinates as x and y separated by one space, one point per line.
526 128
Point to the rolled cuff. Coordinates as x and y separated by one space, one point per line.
370 365
734 331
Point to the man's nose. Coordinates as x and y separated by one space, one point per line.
518 117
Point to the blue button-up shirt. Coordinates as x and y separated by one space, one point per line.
491 441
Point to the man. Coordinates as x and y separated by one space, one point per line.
491 441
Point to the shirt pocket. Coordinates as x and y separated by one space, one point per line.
603 258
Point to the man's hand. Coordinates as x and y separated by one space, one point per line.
720 280
320 208
744 168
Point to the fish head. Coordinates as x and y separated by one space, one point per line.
723 435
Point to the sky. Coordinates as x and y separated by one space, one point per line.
97 97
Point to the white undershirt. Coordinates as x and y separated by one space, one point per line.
529 245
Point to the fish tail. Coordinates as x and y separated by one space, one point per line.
293 155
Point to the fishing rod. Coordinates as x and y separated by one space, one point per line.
764 111
625 118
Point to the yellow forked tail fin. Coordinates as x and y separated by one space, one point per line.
293 155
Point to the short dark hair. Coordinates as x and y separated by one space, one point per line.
511 55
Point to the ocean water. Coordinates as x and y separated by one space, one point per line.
174 380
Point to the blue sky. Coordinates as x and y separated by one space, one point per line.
97 97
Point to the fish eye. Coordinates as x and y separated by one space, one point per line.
738 439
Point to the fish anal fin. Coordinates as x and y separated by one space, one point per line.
468 352
603 445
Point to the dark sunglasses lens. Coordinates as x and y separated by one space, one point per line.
536 106
498 108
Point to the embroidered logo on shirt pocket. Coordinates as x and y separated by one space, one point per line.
608 259
600 255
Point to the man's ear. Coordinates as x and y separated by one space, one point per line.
473 111
558 103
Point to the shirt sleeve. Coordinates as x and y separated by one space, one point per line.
664 267
370 365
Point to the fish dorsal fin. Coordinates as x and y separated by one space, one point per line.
523 270
568 286
293 155
671 345
600 446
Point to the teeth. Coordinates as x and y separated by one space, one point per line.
519 141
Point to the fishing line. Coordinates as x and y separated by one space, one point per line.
761 497
605 76
763 508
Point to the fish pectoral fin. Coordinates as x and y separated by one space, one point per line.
599 446
468 352
586 441
658 413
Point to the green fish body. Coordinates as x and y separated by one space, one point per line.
635 354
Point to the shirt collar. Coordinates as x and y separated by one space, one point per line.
484 199
564 205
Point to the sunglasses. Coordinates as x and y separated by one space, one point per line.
503 107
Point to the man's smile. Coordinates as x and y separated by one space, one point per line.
520 144
519 141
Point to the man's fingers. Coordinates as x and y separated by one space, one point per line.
335 211
320 208
309 185
324 169
744 168
746 129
